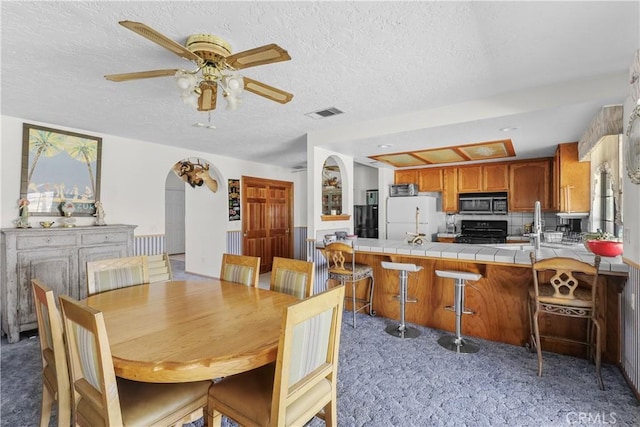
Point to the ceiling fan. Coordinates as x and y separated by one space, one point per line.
216 66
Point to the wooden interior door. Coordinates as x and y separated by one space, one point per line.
267 220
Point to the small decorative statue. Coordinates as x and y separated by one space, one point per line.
99 214
23 221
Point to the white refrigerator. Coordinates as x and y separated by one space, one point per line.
404 212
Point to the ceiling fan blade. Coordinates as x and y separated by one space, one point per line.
164 41
267 54
140 75
208 96
267 91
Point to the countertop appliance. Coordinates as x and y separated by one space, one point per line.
482 232
403 212
482 203
365 221
403 190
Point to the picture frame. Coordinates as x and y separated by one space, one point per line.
59 167
234 199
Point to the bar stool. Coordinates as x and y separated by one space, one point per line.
402 330
456 342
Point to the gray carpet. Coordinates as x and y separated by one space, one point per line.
384 381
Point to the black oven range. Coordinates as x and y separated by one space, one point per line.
478 232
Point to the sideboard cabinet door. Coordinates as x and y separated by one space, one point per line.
57 268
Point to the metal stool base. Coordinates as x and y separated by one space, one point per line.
396 331
459 345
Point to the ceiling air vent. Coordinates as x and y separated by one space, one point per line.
322 114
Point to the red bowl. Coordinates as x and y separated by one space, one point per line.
605 247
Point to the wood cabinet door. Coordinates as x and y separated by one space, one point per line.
528 182
430 179
56 268
407 176
469 179
450 190
571 180
495 177
267 220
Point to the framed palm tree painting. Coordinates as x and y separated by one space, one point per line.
59 167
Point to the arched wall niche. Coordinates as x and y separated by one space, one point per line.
333 185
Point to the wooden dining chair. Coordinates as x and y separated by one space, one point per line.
101 398
115 273
159 268
55 372
343 268
292 276
240 269
303 380
566 287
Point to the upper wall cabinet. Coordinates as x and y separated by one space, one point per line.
571 180
450 190
430 179
529 182
406 176
490 177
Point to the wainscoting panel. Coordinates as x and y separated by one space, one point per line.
631 328
300 242
152 244
234 242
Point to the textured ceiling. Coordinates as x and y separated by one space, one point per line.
416 75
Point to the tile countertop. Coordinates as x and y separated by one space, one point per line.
517 254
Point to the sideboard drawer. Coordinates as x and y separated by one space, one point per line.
47 240
101 238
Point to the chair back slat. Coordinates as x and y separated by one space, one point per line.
242 269
292 276
107 274
159 268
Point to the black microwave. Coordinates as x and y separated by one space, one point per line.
483 203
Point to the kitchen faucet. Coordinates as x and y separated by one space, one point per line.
537 226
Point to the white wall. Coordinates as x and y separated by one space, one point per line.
132 190
364 178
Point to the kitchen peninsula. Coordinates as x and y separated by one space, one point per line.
499 299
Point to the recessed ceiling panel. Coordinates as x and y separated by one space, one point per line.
463 153
399 160
446 155
488 150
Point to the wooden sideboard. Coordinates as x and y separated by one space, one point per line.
56 256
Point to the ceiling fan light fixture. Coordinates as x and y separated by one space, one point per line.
233 84
232 101
185 81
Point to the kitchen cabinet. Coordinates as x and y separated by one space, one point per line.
446 239
483 178
450 190
430 179
406 176
571 180
469 179
529 181
495 177
56 256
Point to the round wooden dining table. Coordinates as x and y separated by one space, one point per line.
190 330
